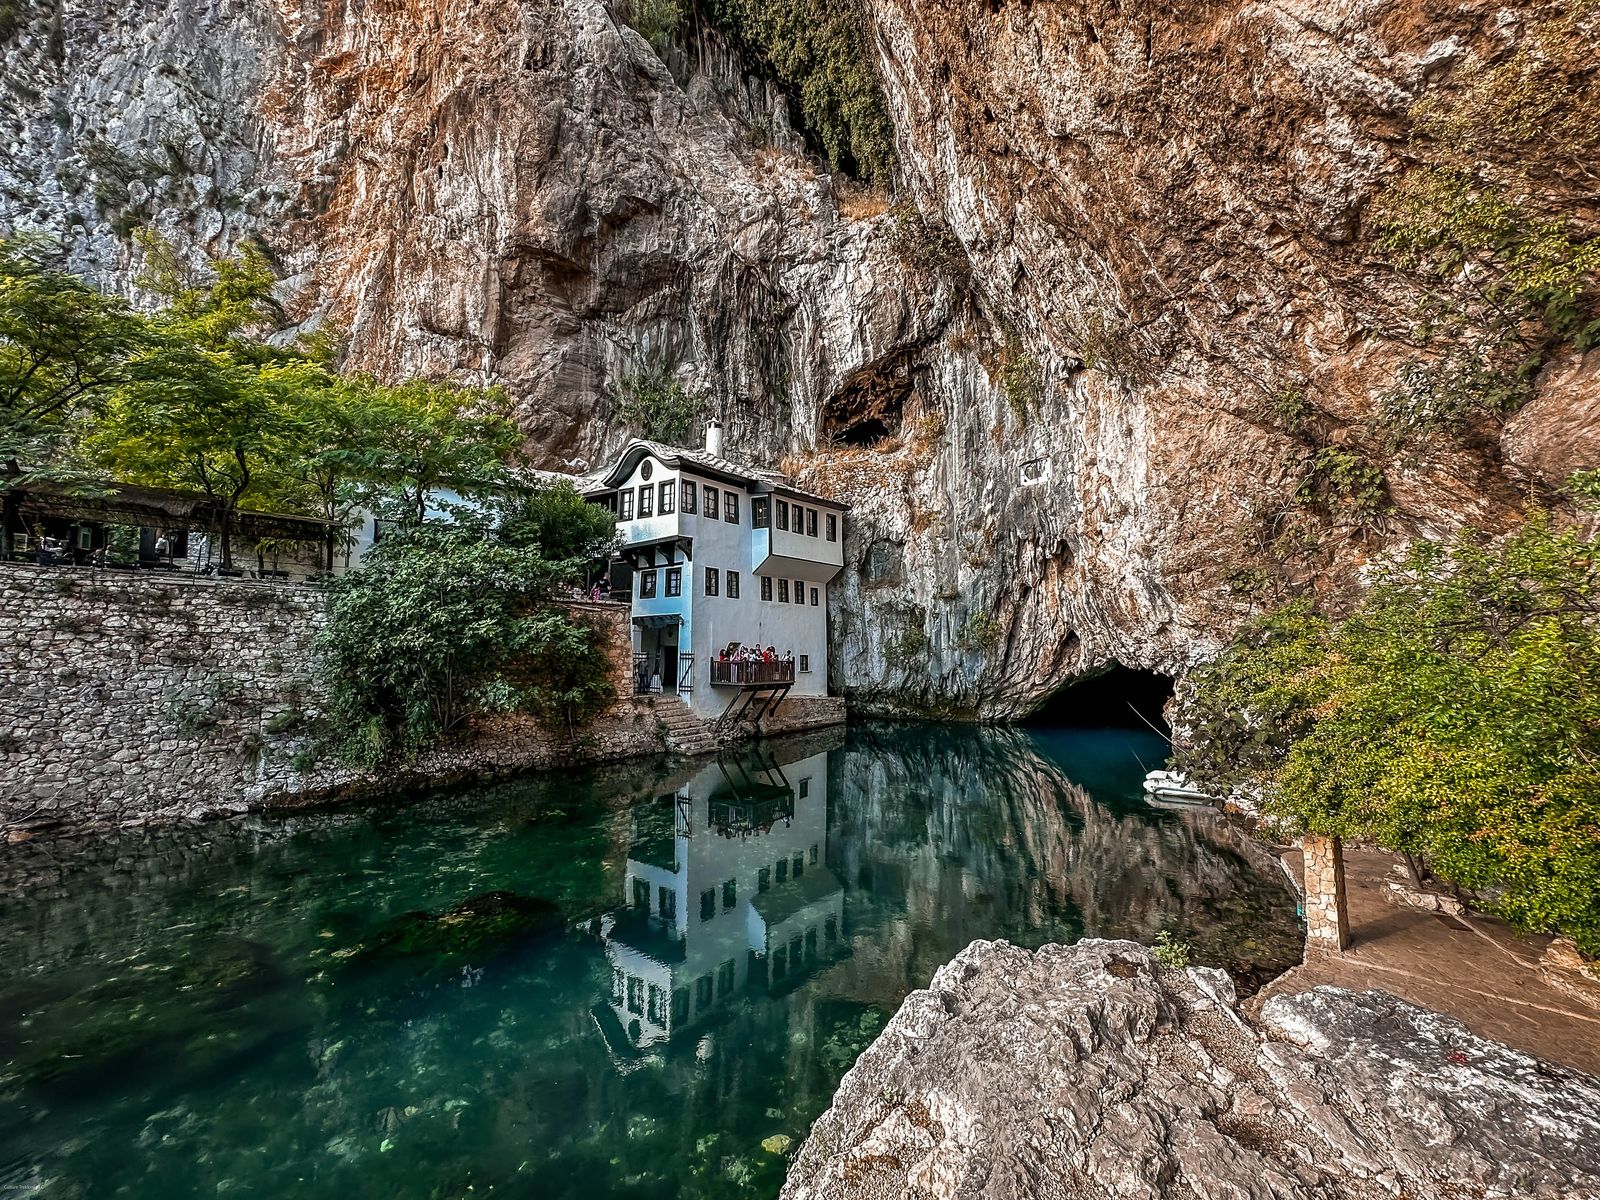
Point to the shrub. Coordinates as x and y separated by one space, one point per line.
983 632
442 623
657 21
1169 951
820 51
923 245
655 403
1454 717
1021 377
1344 486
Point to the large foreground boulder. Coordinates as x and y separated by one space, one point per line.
1093 1070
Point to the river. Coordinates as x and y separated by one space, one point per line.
641 981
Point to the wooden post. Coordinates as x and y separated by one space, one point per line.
1327 911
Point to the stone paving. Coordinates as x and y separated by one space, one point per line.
1470 967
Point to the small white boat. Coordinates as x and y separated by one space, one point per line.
1169 789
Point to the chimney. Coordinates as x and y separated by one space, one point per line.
714 437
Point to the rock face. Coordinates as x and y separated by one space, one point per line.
1069 402
1092 1070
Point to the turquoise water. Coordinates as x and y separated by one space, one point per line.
616 983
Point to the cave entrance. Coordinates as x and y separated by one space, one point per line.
870 403
1119 698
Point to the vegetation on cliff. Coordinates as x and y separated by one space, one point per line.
1486 215
1453 716
821 52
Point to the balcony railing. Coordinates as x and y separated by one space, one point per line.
751 674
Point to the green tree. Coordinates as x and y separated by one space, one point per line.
1453 716
208 401
63 347
430 437
563 526
442 622
335 447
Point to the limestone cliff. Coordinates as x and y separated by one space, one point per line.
1115 368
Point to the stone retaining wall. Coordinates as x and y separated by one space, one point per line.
132 698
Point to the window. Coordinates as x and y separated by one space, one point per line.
760 512
647 585
730 893
708 904
690 494
725 980
710 506
813 858
783 514
667 903
619 981
702 992
680 996
730 507
641 894
799 591
798 514
733 585
794 953
811 942
652 1010
766 587
669 497
763 879
783 591
783 870
811 522
780 963
625 512
816 597
674 581
830 929
833 528
713 581
647 496
805 669
799 865
635 994
805 784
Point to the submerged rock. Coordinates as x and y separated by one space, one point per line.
1093 1070
479 926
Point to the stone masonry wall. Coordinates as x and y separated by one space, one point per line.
130 698
1327 915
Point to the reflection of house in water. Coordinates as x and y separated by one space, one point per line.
728 889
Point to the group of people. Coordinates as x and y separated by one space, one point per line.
739 653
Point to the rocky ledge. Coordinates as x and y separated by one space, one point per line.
1093 1070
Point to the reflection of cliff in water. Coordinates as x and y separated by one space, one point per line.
255 1004
976 833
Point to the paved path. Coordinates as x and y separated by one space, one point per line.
1473 968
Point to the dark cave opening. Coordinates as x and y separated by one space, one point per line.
868 432
1119 698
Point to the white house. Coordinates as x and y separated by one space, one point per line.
728 890
716 556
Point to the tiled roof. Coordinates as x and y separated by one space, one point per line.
715 463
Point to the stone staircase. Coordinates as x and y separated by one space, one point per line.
686 733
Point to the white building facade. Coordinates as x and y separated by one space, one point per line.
716 556
728 891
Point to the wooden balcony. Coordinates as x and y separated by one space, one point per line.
751 674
